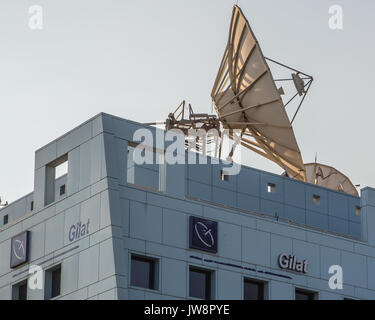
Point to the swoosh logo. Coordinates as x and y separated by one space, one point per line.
207 231
19 249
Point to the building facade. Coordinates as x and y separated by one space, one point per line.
111 229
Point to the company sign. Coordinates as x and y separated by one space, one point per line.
290 262
203 234
79 230
19 251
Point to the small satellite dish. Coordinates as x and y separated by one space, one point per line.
329 177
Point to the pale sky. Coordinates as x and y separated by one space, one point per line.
139 59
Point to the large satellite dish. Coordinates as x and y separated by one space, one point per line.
245 97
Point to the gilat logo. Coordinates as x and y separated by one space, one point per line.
79 230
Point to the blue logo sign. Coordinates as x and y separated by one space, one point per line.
19 252
203 234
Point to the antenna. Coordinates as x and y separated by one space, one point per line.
245 97
196 121
298 78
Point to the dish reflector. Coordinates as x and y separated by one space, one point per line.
329 177
246 97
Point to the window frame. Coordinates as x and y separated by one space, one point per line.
154 271
316 199
162 176
271 187
16 290
313 294
261 293
50 179
49 282
224 175
209 282
62 190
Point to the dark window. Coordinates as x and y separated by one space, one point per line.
56 283
271 187
253 290
223 176
316 199
62 190
143 272
32 206
200 283
6 219
20 291
304 295
357 210
52 283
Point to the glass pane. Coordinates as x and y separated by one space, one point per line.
199 284
22 292
301 295
56 283
253 290
142 273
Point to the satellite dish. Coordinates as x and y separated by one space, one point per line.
329 177
245 97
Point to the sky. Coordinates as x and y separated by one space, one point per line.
139 59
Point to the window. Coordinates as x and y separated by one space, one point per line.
56 282
143 272
61 169
5 219
19 291
253 290
54 171
200 283
271 187
52 283
32 206
316 199
223 176
305 295
357 210
151 174
62 190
